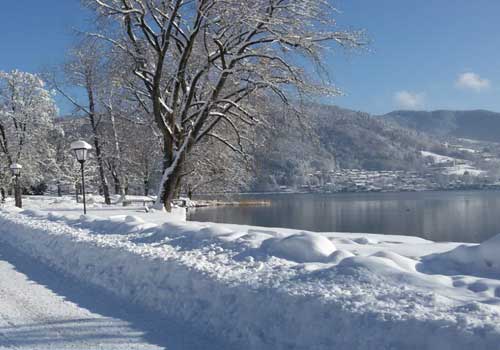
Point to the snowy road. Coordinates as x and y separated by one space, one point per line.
42 310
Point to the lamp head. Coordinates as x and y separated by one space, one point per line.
16 169
81 149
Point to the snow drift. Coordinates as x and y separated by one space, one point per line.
263 288
302 247
479 260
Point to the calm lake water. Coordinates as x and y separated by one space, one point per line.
468 216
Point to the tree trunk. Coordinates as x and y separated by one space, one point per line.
145 179
169 188
171 177
168 152
98 151
100 166
126 187
116 181
77 191
120 188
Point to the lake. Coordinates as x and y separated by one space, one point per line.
461 216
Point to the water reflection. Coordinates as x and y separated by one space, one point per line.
471 216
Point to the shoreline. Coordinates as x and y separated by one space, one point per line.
495 188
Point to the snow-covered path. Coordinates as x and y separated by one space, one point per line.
34 316
40 309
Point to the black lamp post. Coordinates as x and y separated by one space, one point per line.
16 171
81 149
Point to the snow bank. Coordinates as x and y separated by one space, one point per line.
266 288
481 260
302 247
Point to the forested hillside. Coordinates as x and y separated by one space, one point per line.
361 141
325 137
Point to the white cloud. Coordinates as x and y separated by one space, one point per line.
409 100
472 81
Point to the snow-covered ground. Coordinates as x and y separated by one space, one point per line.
469 150
271 288
32 316
437 158
460 168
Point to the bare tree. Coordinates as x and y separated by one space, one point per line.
200 61
86 69
210 167
64 171
114 159
142 155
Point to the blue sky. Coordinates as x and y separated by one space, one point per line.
426 54
36 33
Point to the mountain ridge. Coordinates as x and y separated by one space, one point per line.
476 124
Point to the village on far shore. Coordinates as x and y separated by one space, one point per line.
440 173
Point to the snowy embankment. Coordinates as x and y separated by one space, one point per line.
263 288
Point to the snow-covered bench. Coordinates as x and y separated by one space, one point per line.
144 200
